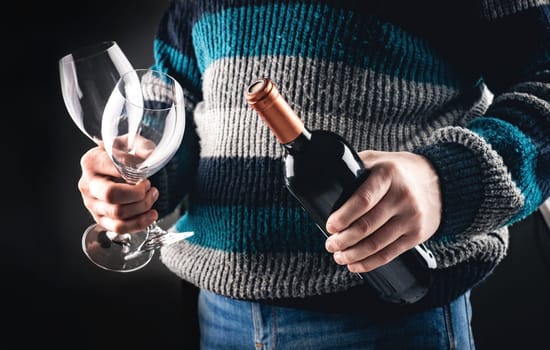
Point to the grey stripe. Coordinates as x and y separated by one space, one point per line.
392 115
329 88
502 199
257 276
493 9
542 106
484 247
280 275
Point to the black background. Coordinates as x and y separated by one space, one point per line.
64 301
55 297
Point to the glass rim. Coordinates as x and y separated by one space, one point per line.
174 86
89 51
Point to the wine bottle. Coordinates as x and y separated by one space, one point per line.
322 171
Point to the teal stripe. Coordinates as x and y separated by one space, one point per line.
253 230
520 156
168 57
316 31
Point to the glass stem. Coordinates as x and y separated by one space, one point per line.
154 230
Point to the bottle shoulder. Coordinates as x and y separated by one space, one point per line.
325 134
330 143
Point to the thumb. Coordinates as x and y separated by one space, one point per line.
371 157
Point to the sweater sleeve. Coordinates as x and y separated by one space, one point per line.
174 54
496 170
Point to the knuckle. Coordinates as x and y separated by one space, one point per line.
343 258
385 257
104 222
418 208
372 245
385 171
361 266
363 155
82 185
96 218
109 194
415 220
365 198
84 161
142 222
390 169
364 224
119 226
337 245
115 211
416 211
338 222
416 235
96 208
88 159
407 195
140 193
103 161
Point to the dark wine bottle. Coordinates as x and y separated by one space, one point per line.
322 171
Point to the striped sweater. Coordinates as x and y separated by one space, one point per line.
465 83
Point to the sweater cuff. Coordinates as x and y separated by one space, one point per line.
461 184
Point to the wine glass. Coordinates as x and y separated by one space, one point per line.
142 127
88 77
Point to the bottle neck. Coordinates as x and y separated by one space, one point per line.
299 143
264 97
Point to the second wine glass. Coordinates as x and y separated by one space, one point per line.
142 127
88 76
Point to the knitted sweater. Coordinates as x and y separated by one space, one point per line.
464 83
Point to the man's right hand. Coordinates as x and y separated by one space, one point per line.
113 203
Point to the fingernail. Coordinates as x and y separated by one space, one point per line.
152 215
329 245
155 193
330 227
147 185
338 257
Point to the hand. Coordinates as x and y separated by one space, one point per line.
395 209
114 204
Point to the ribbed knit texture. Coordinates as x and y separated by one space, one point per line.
365 72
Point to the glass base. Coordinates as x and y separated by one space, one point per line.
108 250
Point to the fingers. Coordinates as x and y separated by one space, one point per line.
114 204
124 218
96 161
366 197
124 211
382 257
135 224
396 208
383 237
101 180
364 226
105 189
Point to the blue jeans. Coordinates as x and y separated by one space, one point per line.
227 323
